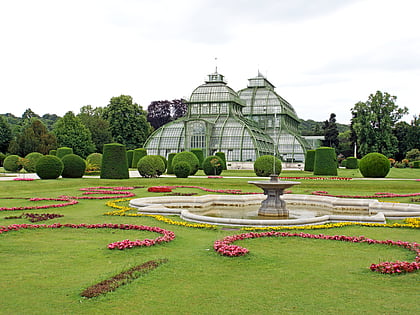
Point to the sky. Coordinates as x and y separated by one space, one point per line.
323 56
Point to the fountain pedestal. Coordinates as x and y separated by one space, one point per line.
274 205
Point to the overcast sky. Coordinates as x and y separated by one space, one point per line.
323 56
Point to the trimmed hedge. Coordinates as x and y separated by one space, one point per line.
325 161
200 156
374 165
49 167
352 163
267 165
188 157
114 162
170 169
12 163
309 161
137 155
130 154
151 166
74 166
223 157
30 161
61 152
52 152
212 165
416 164
164 161
2 157
182 169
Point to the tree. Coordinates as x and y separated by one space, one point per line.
71 132
127 122
372 123
160 113
179 108
330 133
29 114
98 126
34 138
345 146
5 134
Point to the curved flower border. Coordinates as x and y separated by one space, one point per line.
115 192
167 235
376 195
61 198
225 247
316 178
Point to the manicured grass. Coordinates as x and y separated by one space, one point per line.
45 271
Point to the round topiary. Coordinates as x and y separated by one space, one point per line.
309 161
212 165
374 165
223 157
188 157
49 167
200 156
12 163
267 165
2 157
137 155
114 162
74 166
30 161
182 169
130 154
52 152
325 161
151 166
352 163
61 152
164 161
170 169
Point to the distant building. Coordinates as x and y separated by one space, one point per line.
243 125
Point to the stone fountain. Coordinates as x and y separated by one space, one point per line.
274 205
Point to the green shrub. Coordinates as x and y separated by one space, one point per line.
2 157
182 169
49 167
212 165
188 157
223 157
151 166
413 155
416 164
94 160
170 169
130 154
30 161
137 155
343 163
352 163
200 156
12 163
165 161
267 165
61 152
309 161
114 162
74 166
52 152
374 165
325 162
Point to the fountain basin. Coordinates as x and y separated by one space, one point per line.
344 209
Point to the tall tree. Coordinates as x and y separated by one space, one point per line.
71 132
345 146
330 132
160 113
5 135
179 108
372 123
128 122
98 126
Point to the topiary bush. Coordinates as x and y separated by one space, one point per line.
74 166
137 155
170 169
164 161
52 152
12 163
212 165
2 157
151 166
200 156
343 163
61 152
188 157
30 161
325 162
309 161
182 169
223 157
130 154
114 162
49 167
267 165
416 164
352 163
374 165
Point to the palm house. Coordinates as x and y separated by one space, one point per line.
275 116
214 123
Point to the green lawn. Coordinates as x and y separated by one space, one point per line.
44 271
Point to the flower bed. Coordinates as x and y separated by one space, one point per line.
225 247
114 192
222 191
35 217
23 179
376 195
62 198
316 178
159 189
